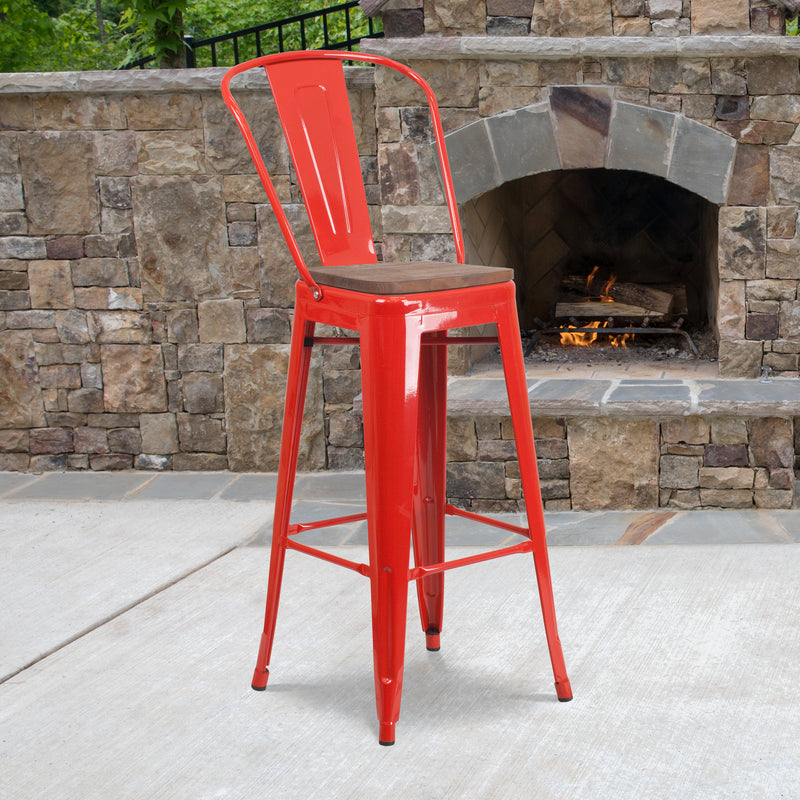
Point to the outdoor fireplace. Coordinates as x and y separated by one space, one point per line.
607 122
604 251
585 184
654 143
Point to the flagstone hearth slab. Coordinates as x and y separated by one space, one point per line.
778 398
663 398
620 397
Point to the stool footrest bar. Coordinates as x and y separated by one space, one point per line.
362 569
301 527
419 572
495 523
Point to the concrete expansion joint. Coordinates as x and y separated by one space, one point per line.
694 397
612 387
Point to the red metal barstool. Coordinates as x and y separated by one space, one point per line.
401 313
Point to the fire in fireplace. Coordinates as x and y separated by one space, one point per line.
617 313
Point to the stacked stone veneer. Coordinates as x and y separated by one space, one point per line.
145 292
565 18
611 462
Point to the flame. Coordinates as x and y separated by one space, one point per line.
605 295
581 339
605 292
587 338
590 279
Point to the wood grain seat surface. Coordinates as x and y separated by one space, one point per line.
415 278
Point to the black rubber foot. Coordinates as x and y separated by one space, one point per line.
385 744
434 649
258 688
564 699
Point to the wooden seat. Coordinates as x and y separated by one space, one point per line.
391 277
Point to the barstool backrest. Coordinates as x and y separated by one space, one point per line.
310 94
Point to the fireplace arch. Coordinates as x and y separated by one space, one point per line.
580 127
584 180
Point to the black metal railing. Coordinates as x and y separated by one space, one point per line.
340 27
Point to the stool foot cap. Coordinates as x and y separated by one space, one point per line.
260 679
432 641
386 734
564 691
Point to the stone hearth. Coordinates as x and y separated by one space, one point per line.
614 441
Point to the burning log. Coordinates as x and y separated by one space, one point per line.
620 299
600 309
643 296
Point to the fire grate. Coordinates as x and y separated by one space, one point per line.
544 329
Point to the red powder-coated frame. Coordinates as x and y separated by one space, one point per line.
403 340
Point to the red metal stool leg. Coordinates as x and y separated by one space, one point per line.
390 372
296 383
514 369
429 488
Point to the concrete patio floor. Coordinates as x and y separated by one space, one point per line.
130 607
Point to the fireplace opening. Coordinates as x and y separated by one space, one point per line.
613 263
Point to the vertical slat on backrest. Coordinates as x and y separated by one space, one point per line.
311 97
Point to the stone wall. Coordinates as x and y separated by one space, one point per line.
566 18
588 463
145 292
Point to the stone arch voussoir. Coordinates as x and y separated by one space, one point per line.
587 127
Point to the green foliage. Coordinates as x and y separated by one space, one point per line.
207 18
32 41
77 46
158 29
55 35
23 28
